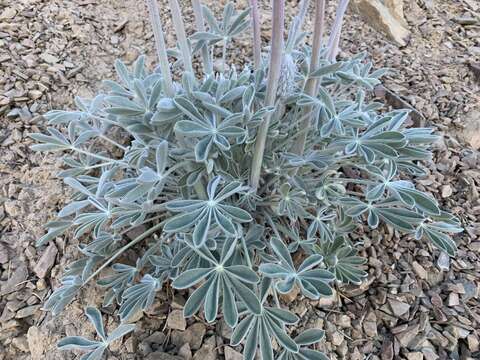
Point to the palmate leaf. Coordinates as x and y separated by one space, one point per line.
118 282
207 127
138 297
342 261
56 141
290 201
258 330
96 348
64 295
221 281
313 283
205 214
438 232
308 337
321 224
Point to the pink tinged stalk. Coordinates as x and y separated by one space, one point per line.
336 47
207 61
296 26
257 40
334 38
181 35
276 49
161 48
311 85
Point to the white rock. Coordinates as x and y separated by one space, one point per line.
396 9
379 17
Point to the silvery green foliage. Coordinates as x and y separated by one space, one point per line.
95 348
179 167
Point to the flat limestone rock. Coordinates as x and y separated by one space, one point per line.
381 18
396 9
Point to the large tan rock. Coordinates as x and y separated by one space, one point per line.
382 18
396 9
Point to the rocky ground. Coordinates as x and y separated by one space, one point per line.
416 303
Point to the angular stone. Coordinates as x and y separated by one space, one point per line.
379 17
3 254
370 324
185 352
399 308
419 270
197 332
407 336
193 336
46 261
49 58
387 350
473 343
176 320
471 129
156 337
447 191
15 282
27 311
36 342
344 321
429 354
20 343
207 351
396 9
231 354
443 261
453 299
414 356
337 338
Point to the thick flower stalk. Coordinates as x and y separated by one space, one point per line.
278 13
200 23
311 85
181 35
161 47
334 39
257 40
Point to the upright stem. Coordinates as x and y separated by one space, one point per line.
296 26
336 29
276 49
207 61
224 56
311 85
161 48
257 40
163 58
181 35
336 47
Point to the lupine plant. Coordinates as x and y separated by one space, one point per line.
245 183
